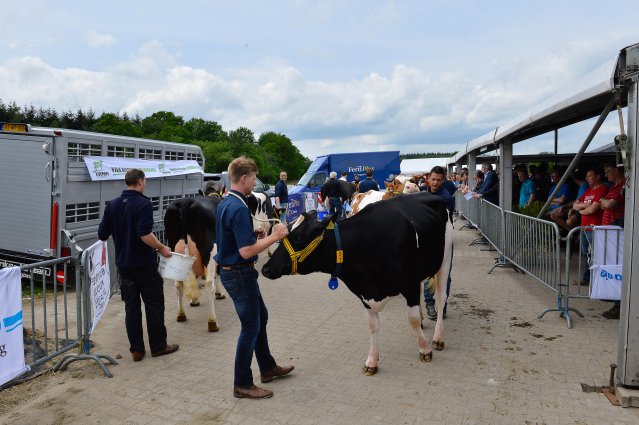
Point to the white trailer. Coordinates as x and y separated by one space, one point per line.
45 187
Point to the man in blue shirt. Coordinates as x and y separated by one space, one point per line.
129 219
281 194
369 183
436 187
527 191
237 250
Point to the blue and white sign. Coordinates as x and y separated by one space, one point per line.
606 282
96 260
295 205
11 342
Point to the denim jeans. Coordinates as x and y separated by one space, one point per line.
148 285
241 285
428 297
586 242
335 205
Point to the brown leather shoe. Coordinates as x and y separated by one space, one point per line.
252 392
137 355
170 348
276 372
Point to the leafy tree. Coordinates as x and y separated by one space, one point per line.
112 124
199 129
282 154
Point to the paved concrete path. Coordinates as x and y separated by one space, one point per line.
501 364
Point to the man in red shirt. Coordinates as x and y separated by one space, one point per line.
589 207
613 205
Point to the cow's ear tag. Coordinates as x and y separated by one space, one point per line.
330 226
332 283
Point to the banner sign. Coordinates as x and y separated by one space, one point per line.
110 168
295 204
96 260
11 341
309 201
607 263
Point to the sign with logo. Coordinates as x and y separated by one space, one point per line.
606 282
11 342
295 203
96 261
110 168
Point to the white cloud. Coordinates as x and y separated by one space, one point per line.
96 39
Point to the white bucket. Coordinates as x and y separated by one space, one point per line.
175 267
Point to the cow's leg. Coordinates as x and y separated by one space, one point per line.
372 361
211 274
180 247
440 287
425 353
179 286
215 277
193 289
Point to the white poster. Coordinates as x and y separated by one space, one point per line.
309 201
11 342
606 282
96 260
110 168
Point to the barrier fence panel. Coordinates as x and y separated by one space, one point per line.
533 246
491 224
55 323
461 204
474 215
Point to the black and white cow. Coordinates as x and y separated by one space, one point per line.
263 214
190 228
389 248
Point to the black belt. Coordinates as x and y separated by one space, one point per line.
238 266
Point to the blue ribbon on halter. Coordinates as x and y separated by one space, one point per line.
339 259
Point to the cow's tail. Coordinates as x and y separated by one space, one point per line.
184 220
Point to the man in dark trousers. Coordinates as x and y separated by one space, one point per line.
436 186
333 190
281 195
129 219
237 250
369 183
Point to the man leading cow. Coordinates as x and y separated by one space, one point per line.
237 252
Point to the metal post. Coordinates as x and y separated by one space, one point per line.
472 166
506 175
628 350
582 149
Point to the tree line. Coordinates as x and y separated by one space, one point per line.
427 155
271 151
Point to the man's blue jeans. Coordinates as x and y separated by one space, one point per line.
335 205
241 284
586 242
428 297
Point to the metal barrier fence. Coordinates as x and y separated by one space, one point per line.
532 245
492 218
58 319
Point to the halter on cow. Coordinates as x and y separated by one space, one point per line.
369 273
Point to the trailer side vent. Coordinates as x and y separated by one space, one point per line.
155 200
84 211
168 199
75 151
150 154
195 156
121 151
173 156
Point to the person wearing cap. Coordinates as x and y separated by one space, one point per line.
238 249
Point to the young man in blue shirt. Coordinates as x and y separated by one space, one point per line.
237 253
129 219
436 187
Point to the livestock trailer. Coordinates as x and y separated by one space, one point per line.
46 188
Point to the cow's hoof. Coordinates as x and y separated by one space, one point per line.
181 318
426 358
219 296
269 254
194 304
369 370
213 326
438 345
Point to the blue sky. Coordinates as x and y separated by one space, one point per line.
334 76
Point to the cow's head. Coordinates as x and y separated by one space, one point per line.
396 186
298 252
